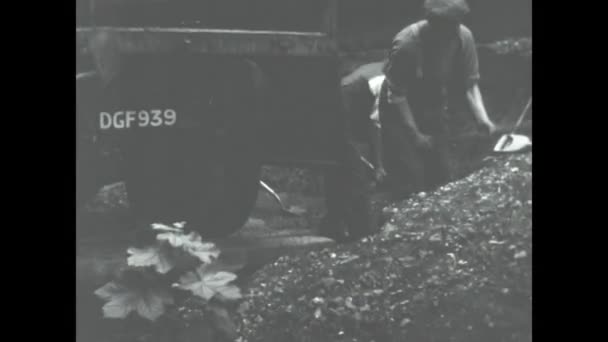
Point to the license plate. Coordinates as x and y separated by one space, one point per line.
126 119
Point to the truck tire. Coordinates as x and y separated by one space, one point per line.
212 190
233 199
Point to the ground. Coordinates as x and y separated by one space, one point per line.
453 265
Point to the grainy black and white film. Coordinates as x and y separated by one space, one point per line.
304 170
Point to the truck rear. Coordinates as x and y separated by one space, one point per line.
162 114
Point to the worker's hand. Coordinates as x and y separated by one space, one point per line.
379 174
490 127
424 141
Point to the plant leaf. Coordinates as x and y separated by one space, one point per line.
163 227
192 244
206 252
153 304
219 279
229 292
118 307
179 225
122 300
107 291
191 282
206 284
151 256
178 239
175 240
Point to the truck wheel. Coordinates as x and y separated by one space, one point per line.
236 188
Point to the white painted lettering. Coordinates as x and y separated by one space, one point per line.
156 118
170 117
130 117
105 120
144 118
119 122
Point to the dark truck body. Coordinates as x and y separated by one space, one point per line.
303 122
302 66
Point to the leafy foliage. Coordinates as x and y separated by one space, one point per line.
206 285
177 227
122 300
191 244
163 277
157 256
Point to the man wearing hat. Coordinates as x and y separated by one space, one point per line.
432 66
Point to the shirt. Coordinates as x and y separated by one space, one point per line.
427 72
375 85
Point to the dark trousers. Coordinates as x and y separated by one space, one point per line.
409 167
348 199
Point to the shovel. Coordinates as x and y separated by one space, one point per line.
291 210
510 143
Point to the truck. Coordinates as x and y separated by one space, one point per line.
203 167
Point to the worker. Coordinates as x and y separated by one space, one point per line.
375 87
432 65
361 92
350 215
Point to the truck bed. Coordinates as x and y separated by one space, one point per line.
279 15
218 41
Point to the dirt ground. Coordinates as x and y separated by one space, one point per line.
453 265
103 238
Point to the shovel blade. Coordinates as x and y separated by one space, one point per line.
511 143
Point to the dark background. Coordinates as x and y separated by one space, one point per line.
489 19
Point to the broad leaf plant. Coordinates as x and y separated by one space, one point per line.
178 268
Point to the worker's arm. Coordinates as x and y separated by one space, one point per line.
400 101
476 102
471 68
401 68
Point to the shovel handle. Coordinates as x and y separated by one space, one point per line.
508 140
367 163
521 116
272 193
